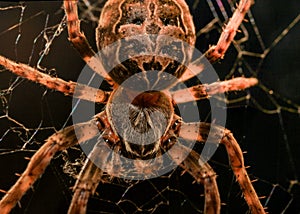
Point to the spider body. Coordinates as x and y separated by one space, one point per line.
139 122
154 19
142 124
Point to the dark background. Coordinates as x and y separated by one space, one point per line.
271 140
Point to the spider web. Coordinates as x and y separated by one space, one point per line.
264 119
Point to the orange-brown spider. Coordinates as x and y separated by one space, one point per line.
136 27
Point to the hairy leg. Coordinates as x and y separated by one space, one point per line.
204 91
235 156
68 88
80 42
202 173
85 186
218 51
59 141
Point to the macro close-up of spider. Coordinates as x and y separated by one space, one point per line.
146 53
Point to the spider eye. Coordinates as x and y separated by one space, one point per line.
137 21
176 125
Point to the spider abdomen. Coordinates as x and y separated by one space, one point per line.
145 35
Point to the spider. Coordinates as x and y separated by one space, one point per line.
148 128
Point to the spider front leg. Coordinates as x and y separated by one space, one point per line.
202 172
85 186
235 156
59 141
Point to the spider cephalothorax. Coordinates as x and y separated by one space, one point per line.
142 123
143 30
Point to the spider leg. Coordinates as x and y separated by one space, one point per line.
59 141
195 68
80 42
202 172
235 157
101 159
68 88
86 185
217 51
204 91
